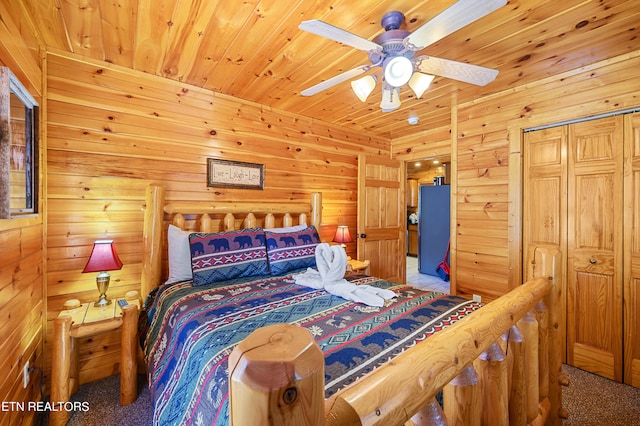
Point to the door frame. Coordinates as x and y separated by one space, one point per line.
451 206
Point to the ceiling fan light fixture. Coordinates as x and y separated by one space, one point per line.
363 87
419 83
390 98
398 71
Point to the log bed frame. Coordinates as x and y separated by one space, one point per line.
499 365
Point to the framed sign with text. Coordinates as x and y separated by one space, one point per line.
234 174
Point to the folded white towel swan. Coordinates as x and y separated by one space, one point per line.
331 262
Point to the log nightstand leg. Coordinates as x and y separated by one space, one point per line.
60 368
129 353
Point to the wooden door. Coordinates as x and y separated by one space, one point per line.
632 251
382 217
594 249
544 218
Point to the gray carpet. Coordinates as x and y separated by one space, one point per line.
591 400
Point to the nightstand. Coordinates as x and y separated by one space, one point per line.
85 320
354 265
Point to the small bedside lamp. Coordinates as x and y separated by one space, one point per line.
342 236
103 258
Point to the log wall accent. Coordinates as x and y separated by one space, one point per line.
486 252
22 292
113 131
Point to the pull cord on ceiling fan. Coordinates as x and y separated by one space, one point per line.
394 52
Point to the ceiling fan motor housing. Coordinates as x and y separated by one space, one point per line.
391 40
392 20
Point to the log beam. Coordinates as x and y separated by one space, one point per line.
276 376
462 399
414 377
128 355
492 366
60 368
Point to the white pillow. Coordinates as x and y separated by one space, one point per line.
179 255
285 229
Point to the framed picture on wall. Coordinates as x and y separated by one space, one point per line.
234 174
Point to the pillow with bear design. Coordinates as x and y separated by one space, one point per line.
290 251
225 255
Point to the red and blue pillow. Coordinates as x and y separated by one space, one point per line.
226 255
290 251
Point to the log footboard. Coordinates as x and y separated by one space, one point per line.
499 365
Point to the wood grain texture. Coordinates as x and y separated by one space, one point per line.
391 392
594 246
111 131
255 51
111 134
631 281
22 251
277 372
484 166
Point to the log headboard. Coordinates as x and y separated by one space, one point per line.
522 388
204 216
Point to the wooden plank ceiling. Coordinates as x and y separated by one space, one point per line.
254 50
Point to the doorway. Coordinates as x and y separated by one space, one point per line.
425 249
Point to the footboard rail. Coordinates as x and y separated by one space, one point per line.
499 365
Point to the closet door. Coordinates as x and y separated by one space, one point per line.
595 242
632 247
545 199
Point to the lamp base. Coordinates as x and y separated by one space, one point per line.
102 281
102 302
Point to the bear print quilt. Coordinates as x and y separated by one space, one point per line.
190 331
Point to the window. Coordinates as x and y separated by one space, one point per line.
18 148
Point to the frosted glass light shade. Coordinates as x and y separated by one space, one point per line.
363 87
420 82
390 98
398 71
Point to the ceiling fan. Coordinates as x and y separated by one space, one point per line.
394 51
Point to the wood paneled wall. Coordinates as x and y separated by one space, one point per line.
22 292
489 152
110 132
113 131
486 163
434 143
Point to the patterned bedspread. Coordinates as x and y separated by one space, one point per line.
191 331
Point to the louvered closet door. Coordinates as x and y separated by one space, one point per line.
632 247
594 239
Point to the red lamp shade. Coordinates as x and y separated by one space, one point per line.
342 235
103 257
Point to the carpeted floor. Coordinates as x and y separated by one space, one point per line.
591 401
595 401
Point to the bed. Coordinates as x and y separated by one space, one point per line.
379 363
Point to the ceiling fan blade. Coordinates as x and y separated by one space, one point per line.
458 15
329 31
347 75
474 74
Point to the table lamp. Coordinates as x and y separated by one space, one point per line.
342 236
103 258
